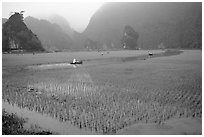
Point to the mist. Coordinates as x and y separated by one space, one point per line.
77 14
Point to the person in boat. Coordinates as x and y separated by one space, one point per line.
150 53
76 61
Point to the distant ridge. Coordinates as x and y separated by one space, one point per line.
51 35
62 22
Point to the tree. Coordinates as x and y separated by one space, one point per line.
130 37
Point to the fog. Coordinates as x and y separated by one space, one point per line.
77 14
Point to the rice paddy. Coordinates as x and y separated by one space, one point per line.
104 96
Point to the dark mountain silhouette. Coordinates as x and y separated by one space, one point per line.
175 25
16 35
51 35
62 22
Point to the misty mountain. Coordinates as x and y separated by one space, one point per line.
62 22
51 35
17 36
175 25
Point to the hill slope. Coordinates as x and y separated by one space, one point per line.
51 35
62 22
175 25
17 36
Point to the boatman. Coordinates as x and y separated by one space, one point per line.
74 61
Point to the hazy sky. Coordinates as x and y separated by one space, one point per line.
77 14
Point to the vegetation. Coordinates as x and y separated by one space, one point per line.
107 98
13 125
130 37
16 35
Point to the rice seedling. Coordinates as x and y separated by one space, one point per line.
103 103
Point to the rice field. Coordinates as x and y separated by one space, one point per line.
108 93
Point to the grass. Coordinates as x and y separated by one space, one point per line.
106 98
13 125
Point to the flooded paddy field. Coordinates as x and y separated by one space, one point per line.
113 93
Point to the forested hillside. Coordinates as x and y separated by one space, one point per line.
16 35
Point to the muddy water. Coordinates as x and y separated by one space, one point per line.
44 121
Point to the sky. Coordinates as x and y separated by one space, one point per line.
78 14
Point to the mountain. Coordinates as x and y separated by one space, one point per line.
51 35
62 22
174 25
17 36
